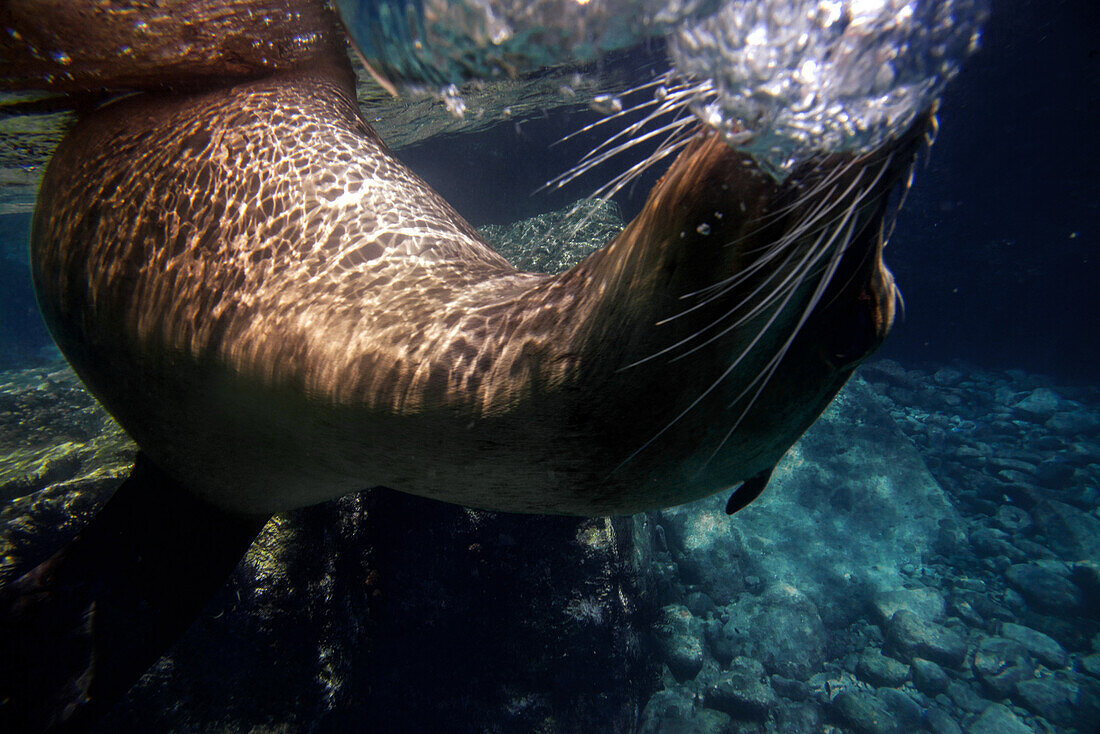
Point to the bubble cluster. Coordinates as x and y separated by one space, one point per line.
781 79
791 77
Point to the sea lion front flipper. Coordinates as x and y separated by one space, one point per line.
749 490
78 630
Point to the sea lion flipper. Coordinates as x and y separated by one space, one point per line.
749 490
78 630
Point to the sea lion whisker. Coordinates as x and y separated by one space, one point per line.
733 282
790 285
621 180
809 222
663 107
663 79
595 158
725 373
765 374
606 119
674 102
899 301
723 286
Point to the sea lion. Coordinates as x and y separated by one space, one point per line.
279 313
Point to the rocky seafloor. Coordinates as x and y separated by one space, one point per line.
926 558
991 626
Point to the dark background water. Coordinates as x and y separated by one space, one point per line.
995 250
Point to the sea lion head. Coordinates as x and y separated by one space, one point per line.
761 296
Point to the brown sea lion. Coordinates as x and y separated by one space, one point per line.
279 313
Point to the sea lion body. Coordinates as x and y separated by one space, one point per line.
279 312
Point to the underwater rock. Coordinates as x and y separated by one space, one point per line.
865 713
796 690
889 371
1071 424
847 508
800 719
1073 534
1002 663
700 604
743 691
880 670
966 698
386 612
679 641
672 712
1054 699
61 458
1044 590
781 628
907 712
926 603
1090 664
947 376
999 719
941 723
707 549
990 542
914 637
1013 520
1054 474
928 677
1086 574
1039 405
1046 649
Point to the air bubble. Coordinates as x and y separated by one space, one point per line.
606 104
